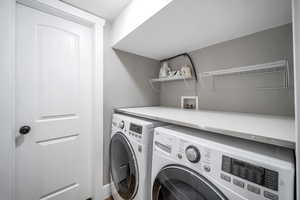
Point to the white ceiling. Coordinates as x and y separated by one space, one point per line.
186 25
108 9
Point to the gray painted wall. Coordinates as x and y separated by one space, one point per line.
238 93
125 84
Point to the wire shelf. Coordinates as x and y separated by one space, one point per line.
281 65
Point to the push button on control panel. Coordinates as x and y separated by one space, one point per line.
270 195
179 156
225 177
140 148
238 183
207 168
253 189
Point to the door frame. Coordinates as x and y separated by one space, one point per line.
65 11
7 58
296 51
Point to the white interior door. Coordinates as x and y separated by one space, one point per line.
53 98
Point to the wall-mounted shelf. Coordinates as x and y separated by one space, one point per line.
281 65
167 79
189 58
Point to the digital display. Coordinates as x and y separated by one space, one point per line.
136 128
252 173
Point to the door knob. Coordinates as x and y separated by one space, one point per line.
24 130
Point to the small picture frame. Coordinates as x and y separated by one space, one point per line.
189 102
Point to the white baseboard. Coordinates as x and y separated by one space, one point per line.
106 191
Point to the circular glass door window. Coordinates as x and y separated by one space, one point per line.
123 166
180 183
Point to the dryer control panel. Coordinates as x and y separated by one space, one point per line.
253 173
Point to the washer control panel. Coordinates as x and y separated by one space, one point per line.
133 130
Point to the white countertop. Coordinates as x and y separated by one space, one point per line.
270 129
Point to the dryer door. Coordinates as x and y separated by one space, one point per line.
123 166
180 183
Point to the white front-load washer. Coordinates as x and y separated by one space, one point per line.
189 164
130 157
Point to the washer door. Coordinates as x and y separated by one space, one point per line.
123 166
180 183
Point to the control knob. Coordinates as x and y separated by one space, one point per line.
121 124
192 154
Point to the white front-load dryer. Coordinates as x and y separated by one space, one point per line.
189 164
130 157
